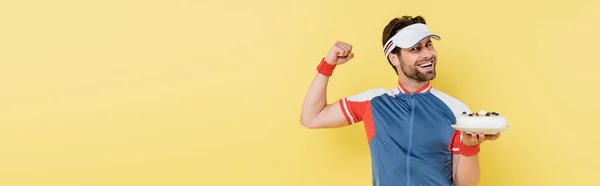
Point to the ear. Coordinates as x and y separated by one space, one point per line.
394 59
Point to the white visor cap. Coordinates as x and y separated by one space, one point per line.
408 37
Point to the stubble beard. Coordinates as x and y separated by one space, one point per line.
413 73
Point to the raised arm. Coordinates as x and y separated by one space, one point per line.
316 112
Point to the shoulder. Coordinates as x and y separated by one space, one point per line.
453 103
369 94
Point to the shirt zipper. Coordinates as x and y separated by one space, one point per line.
410 133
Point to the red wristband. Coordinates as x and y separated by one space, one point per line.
325 68
468 150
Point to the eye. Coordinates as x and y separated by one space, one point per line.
414 49
429 44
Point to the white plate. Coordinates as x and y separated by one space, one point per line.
482 130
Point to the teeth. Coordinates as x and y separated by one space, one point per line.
426 64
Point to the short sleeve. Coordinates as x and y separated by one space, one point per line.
355 106
454 146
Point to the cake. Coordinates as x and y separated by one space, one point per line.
481 119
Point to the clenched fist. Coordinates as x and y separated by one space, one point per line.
339 54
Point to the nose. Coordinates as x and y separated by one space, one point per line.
426 53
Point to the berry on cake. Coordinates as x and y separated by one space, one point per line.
481 119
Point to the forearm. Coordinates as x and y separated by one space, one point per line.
315 100
467 171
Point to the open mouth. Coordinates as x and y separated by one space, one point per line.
427 65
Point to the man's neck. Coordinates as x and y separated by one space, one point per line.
410 84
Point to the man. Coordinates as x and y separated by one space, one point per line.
408 127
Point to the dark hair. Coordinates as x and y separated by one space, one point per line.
393 27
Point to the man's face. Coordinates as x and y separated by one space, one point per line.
419 62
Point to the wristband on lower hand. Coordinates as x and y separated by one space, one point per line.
325 68
469 150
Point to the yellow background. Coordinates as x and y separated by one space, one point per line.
124 92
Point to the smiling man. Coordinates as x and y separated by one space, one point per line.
408 127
